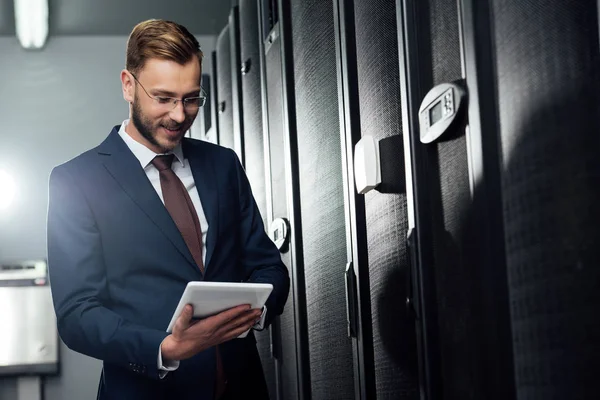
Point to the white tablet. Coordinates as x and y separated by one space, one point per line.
210 298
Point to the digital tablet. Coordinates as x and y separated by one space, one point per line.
210 298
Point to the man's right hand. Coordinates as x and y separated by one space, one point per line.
191 337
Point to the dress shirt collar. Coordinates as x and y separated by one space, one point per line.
141 152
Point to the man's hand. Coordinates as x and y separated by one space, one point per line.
191 337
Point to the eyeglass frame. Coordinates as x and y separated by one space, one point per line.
172 100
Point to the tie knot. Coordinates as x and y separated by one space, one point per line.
163 162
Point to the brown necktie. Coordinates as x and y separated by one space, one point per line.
181 208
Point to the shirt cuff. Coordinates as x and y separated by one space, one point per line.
165 366
260 325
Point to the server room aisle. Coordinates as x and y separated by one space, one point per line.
462 223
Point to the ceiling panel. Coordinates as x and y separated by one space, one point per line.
117 17
7 17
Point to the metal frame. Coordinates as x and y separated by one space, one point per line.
236 84
414 59
478 62
293 192
354 204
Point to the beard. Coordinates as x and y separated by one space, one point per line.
149 130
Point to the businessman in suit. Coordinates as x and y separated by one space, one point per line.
135 219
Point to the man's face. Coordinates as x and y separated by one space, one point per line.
159 124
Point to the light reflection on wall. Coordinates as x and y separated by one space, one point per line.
8 190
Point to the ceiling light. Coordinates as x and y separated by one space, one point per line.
31 19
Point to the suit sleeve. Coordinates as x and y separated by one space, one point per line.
260 256
79 289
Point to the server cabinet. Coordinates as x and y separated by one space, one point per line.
289 333
321 195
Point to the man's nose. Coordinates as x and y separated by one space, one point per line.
178 113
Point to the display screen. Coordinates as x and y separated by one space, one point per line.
435 113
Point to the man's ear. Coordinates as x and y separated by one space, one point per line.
128 86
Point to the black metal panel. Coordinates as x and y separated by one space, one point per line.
386 214
206 113
548 68
236 84
254 145
225 89
212 135
356 230
321 198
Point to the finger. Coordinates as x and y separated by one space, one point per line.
247 319
259 314
234 333
249 316
184 320
228 315
215 325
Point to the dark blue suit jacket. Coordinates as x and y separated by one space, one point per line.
118 266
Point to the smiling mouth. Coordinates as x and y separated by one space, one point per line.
173 130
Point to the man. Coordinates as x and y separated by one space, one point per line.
133 220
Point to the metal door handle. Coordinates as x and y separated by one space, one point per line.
351 301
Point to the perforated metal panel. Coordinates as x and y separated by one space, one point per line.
548 65
380 113
224 89
254 144
251 90
322 199
289 371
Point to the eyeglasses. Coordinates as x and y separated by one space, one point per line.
191 104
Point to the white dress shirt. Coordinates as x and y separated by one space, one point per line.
181 168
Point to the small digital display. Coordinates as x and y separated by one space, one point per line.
435 113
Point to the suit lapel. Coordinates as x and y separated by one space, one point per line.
205 178
127 171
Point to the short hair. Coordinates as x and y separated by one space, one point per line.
160 39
